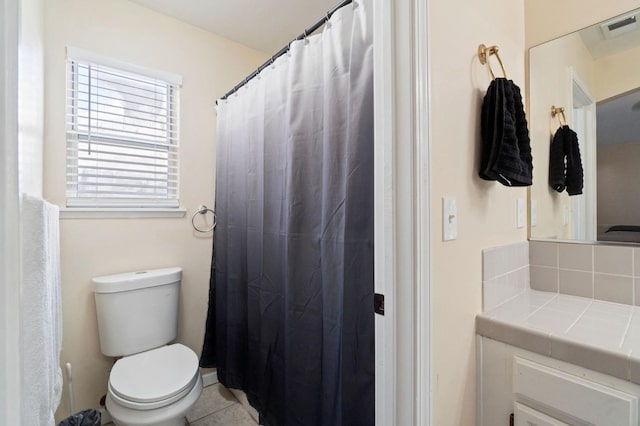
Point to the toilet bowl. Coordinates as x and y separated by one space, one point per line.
155 387
154 383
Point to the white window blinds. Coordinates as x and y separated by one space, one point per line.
122 136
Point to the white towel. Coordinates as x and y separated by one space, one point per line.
41 312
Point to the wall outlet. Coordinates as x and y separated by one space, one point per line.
520 214
449 219
534 213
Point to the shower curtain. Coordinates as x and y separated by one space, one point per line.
291 300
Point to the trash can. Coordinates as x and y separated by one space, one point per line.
83 418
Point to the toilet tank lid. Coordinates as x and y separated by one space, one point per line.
136 280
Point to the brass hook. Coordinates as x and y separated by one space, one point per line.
484 52
559 111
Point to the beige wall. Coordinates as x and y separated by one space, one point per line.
548 19
91 247
486 210
617 74
550 84
618 190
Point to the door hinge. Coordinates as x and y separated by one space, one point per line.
378 303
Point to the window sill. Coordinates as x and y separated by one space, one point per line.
119 213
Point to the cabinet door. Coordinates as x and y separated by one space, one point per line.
573 396
525 416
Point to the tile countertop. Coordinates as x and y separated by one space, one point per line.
601 336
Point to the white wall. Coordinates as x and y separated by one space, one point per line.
210 65
486 210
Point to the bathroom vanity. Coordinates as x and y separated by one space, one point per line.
552 358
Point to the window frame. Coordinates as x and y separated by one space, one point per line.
79 207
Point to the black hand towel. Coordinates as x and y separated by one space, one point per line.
565 164
506 148
557 166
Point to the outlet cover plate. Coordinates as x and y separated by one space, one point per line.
449 219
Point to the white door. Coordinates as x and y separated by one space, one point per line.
403 352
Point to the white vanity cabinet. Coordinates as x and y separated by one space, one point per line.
542 391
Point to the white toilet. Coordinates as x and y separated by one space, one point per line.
152 384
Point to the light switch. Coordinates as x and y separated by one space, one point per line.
449 219
565 214
520 213
534 213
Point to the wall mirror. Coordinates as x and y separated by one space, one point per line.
594 74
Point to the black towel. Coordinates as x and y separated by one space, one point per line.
506 148
565 165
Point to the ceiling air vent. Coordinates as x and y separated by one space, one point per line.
618 26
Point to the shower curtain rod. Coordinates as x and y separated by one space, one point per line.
285 49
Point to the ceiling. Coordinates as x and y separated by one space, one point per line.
618 118
262 25
599 46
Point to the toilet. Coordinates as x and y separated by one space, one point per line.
153 383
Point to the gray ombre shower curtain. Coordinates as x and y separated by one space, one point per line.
291 301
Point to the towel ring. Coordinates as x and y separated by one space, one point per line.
484 52
559 112
203 210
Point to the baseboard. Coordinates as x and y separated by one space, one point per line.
105 416
210 378
242 398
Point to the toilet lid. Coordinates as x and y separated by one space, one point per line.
155 375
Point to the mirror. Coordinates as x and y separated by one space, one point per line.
594 74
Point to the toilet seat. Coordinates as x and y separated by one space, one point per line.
155 378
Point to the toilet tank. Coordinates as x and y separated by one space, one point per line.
137 311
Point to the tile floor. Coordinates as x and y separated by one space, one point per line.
218 407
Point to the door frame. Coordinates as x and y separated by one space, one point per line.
10 343
583 119
402 212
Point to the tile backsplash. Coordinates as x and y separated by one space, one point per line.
602 272
609 273
505 273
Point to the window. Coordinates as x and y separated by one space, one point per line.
122 134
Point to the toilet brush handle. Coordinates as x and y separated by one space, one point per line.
70 383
